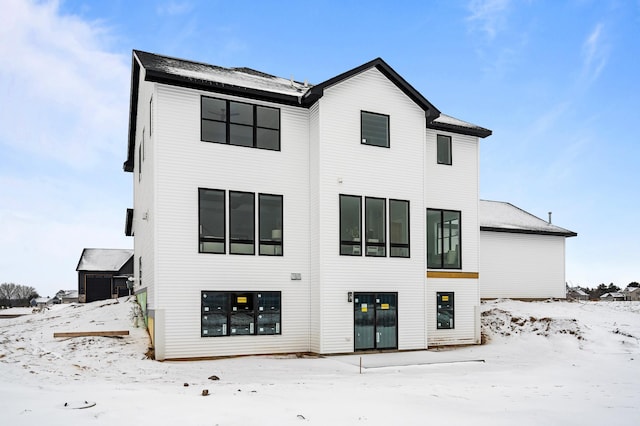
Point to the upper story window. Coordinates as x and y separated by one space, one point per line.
350 225
241 222
375 220
443 239
398 228
238 123
375 227
270 228
211 218
374 129
444 149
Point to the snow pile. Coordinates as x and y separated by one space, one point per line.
543 363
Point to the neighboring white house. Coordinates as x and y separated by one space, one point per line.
275 216
522 256
631 293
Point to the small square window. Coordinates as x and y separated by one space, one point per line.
374 129
444 150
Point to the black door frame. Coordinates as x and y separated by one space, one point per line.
375 314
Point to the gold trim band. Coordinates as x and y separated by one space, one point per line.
443 274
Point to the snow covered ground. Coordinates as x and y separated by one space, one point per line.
543 363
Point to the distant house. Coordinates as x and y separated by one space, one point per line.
613 296
631 293
104 273
521 255
67 296
41 302
576 293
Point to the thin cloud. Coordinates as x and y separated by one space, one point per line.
174 8
64 95
488 16
595 53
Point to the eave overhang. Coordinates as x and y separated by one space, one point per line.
529 231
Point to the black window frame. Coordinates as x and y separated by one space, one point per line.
228 123
397 245
449 143
244 241
353 243
445 310
273 241
228 306
377 245
441 255
220 240
363 140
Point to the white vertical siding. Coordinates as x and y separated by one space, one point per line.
182 273
522 266
346 166
455 187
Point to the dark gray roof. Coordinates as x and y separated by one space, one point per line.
250 83
499 216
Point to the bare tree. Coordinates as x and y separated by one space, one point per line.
7 291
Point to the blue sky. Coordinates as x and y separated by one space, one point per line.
557 82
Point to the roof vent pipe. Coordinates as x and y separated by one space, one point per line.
549 218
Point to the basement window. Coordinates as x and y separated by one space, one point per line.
227 313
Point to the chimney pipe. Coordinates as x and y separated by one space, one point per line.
549 218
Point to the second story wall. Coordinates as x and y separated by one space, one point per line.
348 166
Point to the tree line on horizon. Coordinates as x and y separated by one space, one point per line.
16 295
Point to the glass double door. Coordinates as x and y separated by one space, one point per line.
375 321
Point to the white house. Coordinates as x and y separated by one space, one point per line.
274 216
522 256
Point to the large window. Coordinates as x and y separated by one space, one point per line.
350 225
211 214
445 313
241 222
443 239
398 228
375 220
444 149
238 123
374 129
270 228
240 313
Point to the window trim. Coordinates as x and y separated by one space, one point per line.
351 243
362 139
202 239
449 147
442 263
229 312
251 241
271 242
227 121
400 245
379 244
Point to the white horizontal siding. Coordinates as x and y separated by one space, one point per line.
455 187
346 166
526 266
465 311
143 190
186 164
